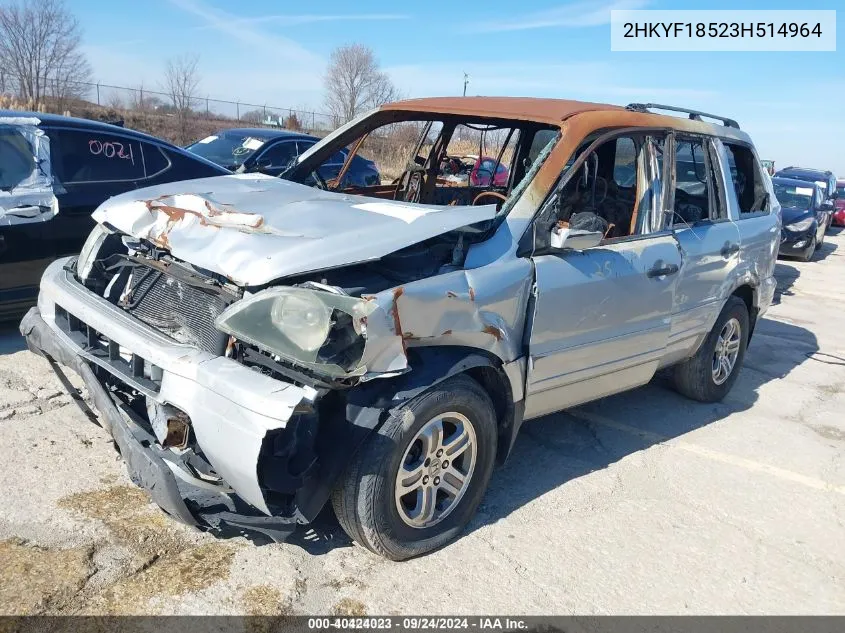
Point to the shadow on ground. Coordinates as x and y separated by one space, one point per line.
569 445
786 275
824 251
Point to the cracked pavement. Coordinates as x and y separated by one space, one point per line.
640 503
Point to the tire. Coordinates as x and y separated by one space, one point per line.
695 378
811 250
365 499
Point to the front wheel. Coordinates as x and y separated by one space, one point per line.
709 375
811 250
418 481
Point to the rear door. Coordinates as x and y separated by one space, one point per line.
708 238
750 204
602 315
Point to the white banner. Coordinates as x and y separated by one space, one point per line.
801 30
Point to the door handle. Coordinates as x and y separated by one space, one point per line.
662 271
729 249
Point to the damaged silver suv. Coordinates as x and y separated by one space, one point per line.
258 346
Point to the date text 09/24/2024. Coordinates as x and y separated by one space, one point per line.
418 623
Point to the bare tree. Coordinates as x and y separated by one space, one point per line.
40 50
181 82
253 116
354 82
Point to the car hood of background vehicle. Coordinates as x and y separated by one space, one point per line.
791 215
254 228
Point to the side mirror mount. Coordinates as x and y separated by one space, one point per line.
564 238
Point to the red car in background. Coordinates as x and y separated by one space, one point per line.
483 169
477 170
839 204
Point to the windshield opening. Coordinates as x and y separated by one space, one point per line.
444 159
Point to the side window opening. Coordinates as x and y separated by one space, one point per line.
608 193
155 160
696 185
625 165
92 156
747 179
279 155
692 202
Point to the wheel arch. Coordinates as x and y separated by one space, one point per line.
748 294
503 383
348 418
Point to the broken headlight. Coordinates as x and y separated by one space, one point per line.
324 330
801 225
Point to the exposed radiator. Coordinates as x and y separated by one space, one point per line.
178 309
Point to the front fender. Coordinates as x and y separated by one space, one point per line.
348 418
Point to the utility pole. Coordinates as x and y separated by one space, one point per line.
466 81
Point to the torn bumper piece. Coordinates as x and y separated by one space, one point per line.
150 466
223 399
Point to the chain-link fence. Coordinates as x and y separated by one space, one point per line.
153 111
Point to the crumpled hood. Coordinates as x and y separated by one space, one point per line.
254 228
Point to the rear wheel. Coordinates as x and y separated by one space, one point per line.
709 375
418 481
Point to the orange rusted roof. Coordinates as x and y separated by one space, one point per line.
522 108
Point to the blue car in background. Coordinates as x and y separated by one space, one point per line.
270 151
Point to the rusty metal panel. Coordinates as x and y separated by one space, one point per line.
482 308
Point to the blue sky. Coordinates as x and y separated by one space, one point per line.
793 104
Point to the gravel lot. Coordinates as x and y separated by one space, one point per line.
640 503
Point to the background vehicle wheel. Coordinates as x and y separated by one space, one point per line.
709 375
811 250
417 481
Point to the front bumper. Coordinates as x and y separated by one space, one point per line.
838 218
796 243
231 407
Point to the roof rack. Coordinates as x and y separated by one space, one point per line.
695 115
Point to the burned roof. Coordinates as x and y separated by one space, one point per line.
519 108
554 112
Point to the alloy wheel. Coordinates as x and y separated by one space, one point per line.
435 470
727 350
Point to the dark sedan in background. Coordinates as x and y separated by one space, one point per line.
804 217
54 172
824 179
270 151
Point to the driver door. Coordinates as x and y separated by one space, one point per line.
602 315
